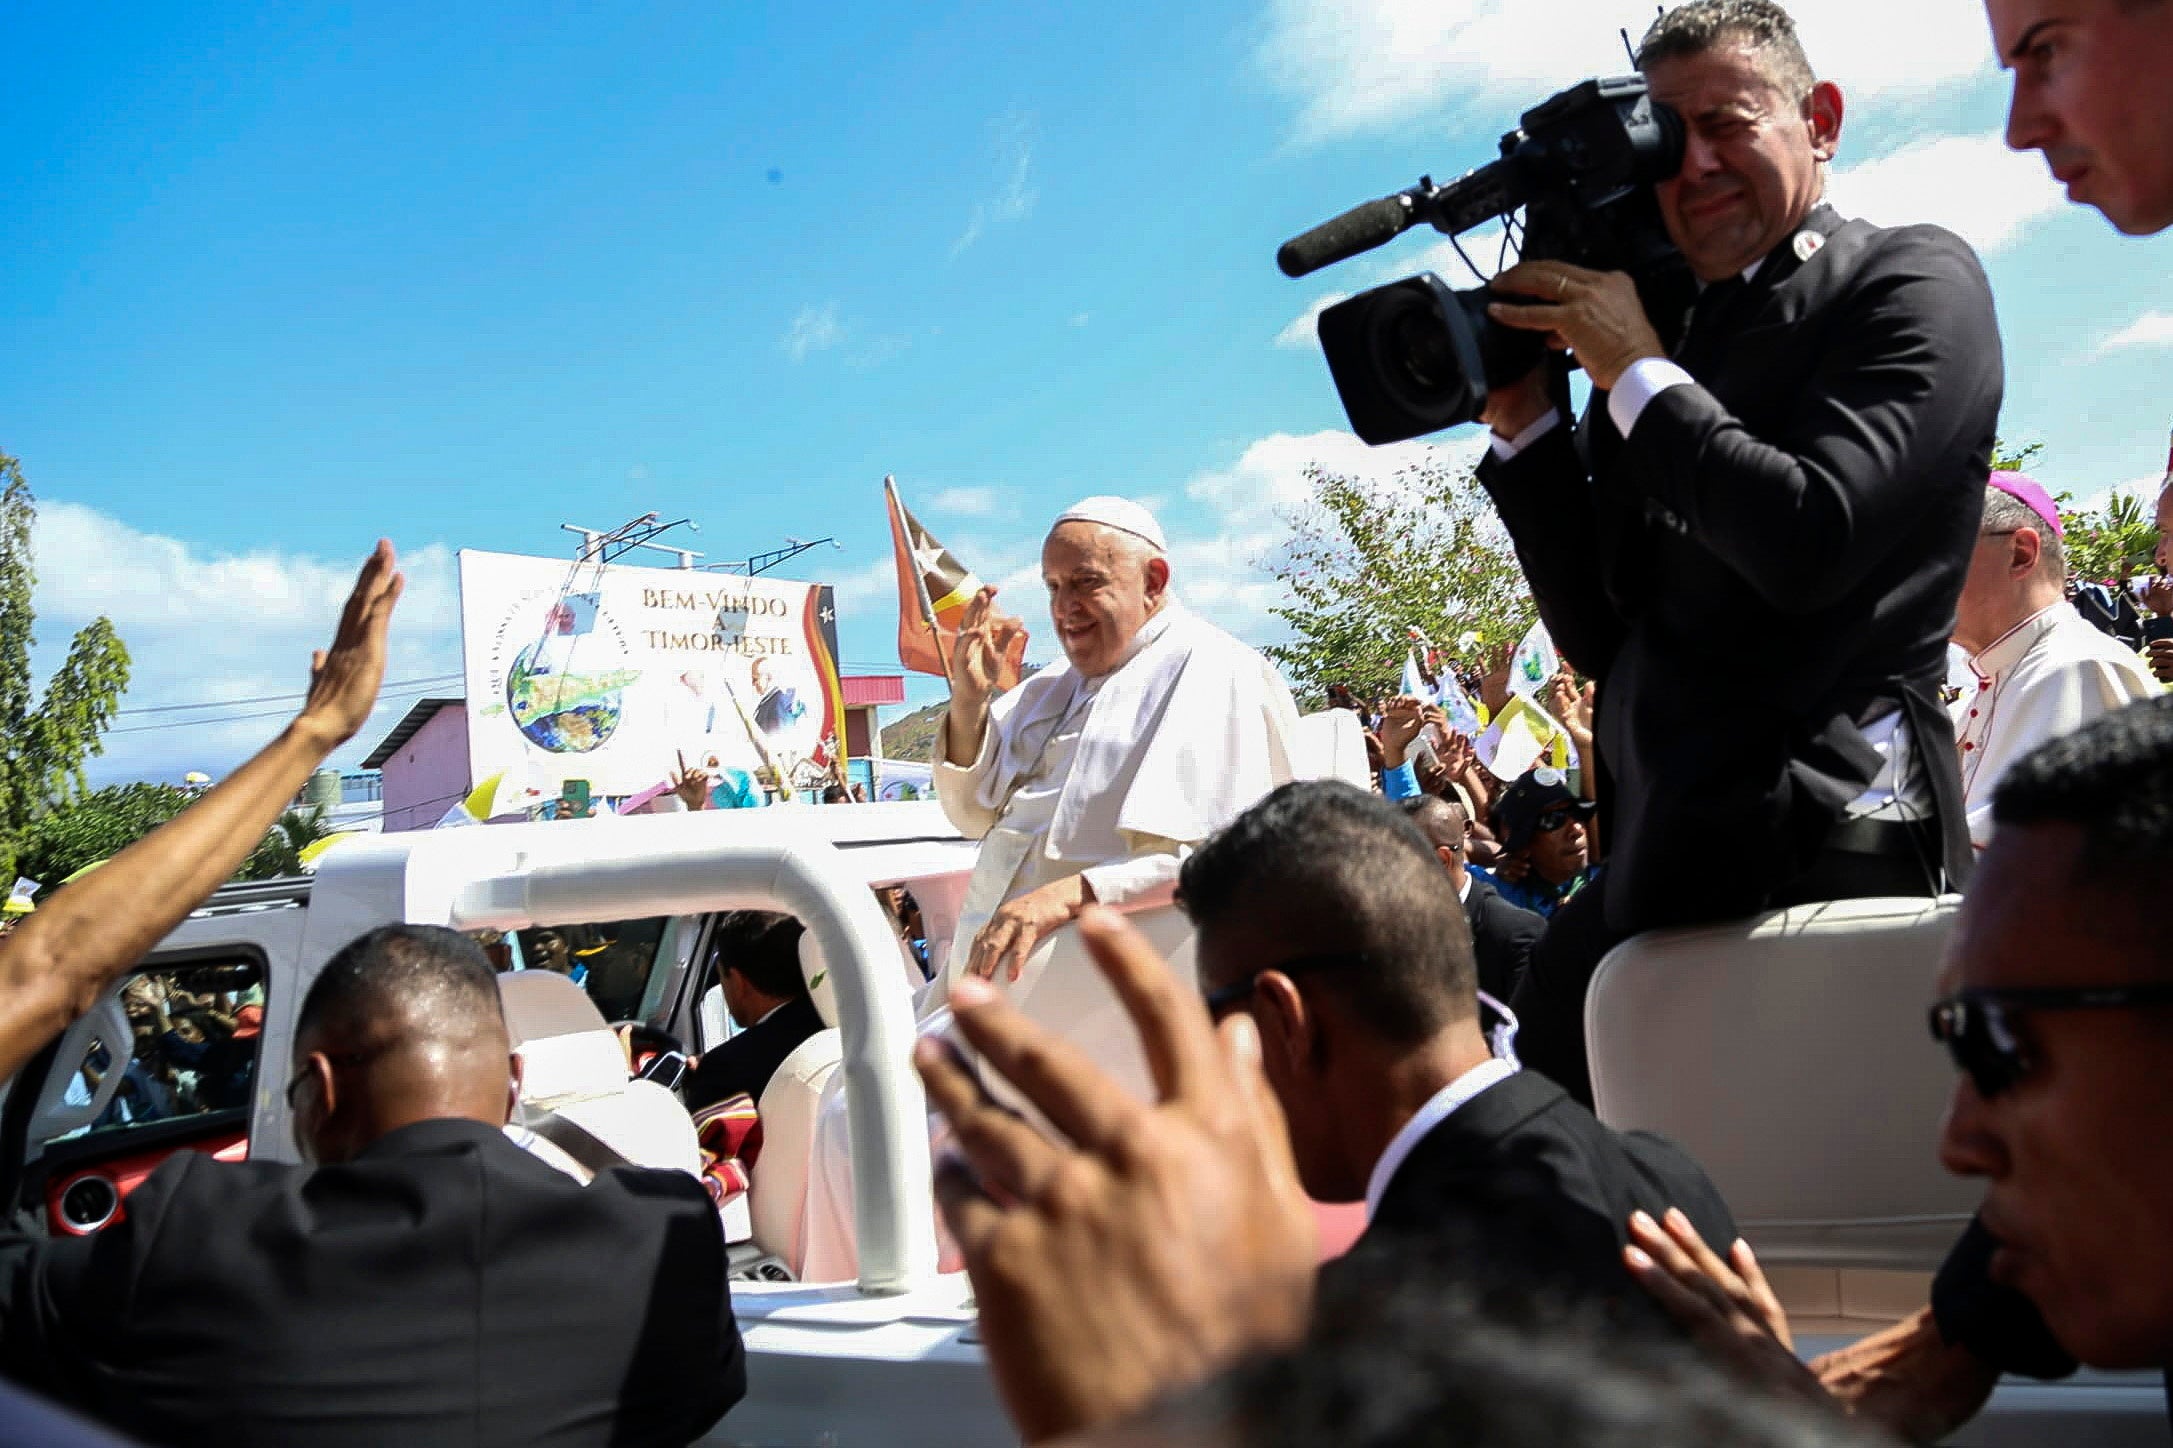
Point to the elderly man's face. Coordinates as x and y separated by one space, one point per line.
1750 162
759 674
2093 90
1103 584
2078 1155
2165 531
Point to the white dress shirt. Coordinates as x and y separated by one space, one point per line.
2049 675
1437 1109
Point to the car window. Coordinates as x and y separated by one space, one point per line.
196 1029
612 960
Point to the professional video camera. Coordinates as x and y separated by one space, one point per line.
1415 357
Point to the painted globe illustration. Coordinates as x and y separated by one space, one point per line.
567 690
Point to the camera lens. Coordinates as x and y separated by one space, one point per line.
1419 344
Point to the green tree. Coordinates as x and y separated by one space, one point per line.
2114 542
43 746
95 827
279 853
1371 558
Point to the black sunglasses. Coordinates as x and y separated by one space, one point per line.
1978 1028
1224 999
1553 819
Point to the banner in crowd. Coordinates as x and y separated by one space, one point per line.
592 680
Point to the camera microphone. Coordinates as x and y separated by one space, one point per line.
1361 228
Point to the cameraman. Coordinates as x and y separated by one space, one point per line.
1800 481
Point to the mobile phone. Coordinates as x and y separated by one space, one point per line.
576 795
667 1069
2157 628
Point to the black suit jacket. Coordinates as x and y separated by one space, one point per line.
1502 936
1772 557
748 1060
444 1288
1532 1195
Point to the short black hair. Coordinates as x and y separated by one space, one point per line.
1763 26
2113 779
1320 860
1423 810
763 946
401 974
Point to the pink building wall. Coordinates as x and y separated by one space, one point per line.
429 774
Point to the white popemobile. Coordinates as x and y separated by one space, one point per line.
1788 1055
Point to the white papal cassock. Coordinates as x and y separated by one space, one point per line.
1116 778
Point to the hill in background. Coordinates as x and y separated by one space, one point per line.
913 738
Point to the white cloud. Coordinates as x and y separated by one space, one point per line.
868 586
1304 329
1080 319
1014 197
1361 66
1222 571
815 329
2150 331
969 502
1972 185
204 627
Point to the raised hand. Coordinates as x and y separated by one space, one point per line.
691 785
1401 722
986 639
344 679
1494 683
1157 1243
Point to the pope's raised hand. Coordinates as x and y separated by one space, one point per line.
985 639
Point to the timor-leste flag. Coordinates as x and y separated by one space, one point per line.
933 590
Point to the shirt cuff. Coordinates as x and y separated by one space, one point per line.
1122 881
1506 448
1400 782
1645 379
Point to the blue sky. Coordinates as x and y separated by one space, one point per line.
279 283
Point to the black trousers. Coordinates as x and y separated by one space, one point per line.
1864 861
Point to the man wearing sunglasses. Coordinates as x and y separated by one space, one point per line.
1543 831
2057 1006
1320 913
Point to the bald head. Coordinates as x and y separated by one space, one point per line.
1104 583
402 1025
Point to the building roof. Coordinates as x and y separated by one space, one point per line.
861 690
422 713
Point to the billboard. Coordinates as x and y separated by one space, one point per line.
608 674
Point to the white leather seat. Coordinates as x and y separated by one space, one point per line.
1788 1054
777 1193
572 1066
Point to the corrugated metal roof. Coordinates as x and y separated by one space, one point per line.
422 713
861 690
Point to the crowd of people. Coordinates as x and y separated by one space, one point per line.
1392 960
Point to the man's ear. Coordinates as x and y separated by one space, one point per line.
514 1069
2027 546
1287 1024
1823 111
1449 856
1157 576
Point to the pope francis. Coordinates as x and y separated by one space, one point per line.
1092 779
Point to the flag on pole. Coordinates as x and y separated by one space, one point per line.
1534 662
933 590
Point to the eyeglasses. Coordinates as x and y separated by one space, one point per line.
1224 999
1978 1027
